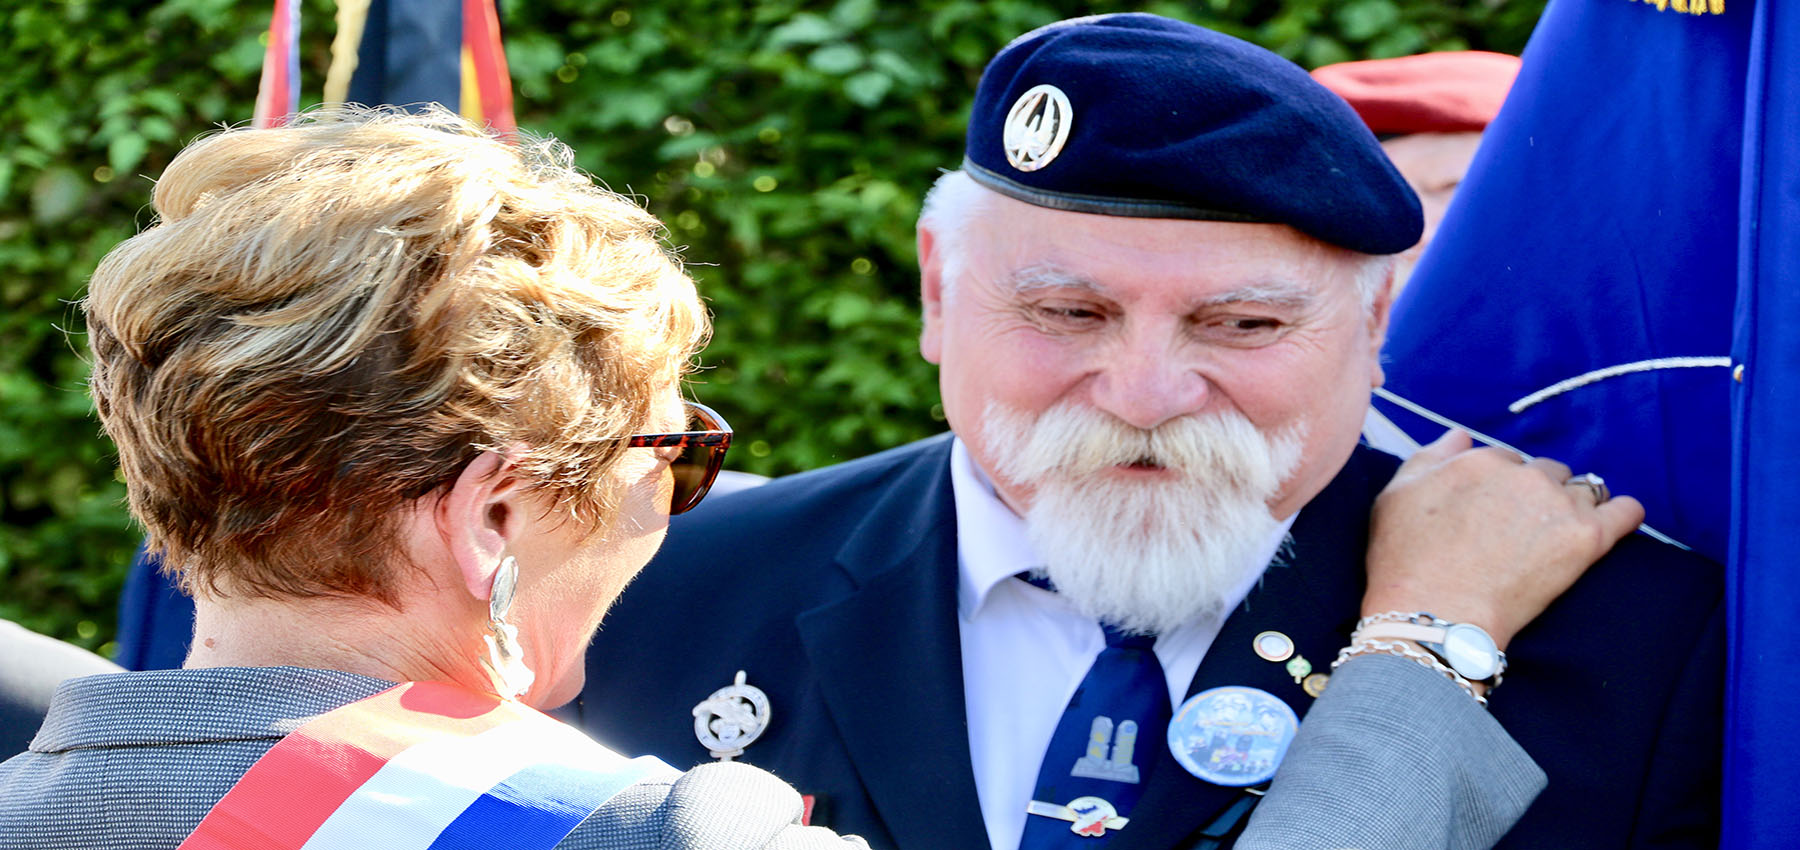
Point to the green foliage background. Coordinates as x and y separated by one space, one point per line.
786 142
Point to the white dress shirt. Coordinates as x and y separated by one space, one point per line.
1025 650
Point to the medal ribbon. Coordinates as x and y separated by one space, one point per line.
420 766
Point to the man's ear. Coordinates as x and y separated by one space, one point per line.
1380 310
931 297
479 518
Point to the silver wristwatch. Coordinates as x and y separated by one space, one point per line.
1464 647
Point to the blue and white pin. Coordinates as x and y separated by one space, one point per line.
1232 735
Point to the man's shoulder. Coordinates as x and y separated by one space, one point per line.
755 559
1345 502
1645 581
1367 471
1617 691
806 505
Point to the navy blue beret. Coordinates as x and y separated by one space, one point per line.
1141 115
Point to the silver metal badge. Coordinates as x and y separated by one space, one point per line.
731 719
1037 127
1089 816
1109 755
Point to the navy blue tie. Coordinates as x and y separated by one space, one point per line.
1100 756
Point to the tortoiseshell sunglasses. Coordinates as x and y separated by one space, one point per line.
702 454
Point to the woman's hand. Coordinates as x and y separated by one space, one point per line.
1480 536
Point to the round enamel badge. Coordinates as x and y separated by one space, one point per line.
1232 735
1037 127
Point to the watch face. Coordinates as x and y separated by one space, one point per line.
1470 651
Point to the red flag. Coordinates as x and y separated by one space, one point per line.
278 95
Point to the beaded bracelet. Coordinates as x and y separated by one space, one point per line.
1366 646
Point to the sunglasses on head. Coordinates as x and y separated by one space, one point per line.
702 454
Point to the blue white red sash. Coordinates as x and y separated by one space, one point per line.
421 766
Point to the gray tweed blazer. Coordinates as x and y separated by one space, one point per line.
133 761
1392 756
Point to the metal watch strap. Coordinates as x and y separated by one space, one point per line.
1430 636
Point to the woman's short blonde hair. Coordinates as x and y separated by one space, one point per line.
331 319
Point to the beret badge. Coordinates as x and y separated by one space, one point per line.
1037 127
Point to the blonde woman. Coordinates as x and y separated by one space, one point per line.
399 403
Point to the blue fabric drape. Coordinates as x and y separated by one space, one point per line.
1638 199
1763 585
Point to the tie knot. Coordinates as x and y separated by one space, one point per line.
1116 639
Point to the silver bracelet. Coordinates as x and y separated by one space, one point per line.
1404 619
1395 617
1367 646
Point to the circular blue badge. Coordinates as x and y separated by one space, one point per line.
1232 735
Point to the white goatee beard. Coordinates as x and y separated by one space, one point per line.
1144 556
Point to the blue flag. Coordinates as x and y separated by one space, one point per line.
1761 772
407 52
1615 287
1577 300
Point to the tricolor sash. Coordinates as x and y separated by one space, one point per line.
421 765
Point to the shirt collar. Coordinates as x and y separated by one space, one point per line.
991 544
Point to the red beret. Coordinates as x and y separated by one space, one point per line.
1447 92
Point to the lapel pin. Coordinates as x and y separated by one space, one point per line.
1232 735
1315 684
1109 753
731 719
1273 646
1089 816
1277 647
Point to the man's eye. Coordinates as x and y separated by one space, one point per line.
1070 312
1243 331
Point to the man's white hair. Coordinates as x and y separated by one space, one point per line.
955 202
950 211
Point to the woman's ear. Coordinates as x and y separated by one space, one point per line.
480 517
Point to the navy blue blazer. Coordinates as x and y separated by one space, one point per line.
836 591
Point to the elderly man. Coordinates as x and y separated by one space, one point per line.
1156 290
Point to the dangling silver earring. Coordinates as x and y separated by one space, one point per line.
505 659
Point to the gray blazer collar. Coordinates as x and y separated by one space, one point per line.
193 706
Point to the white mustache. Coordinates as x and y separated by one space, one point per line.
1144 554
1070 441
